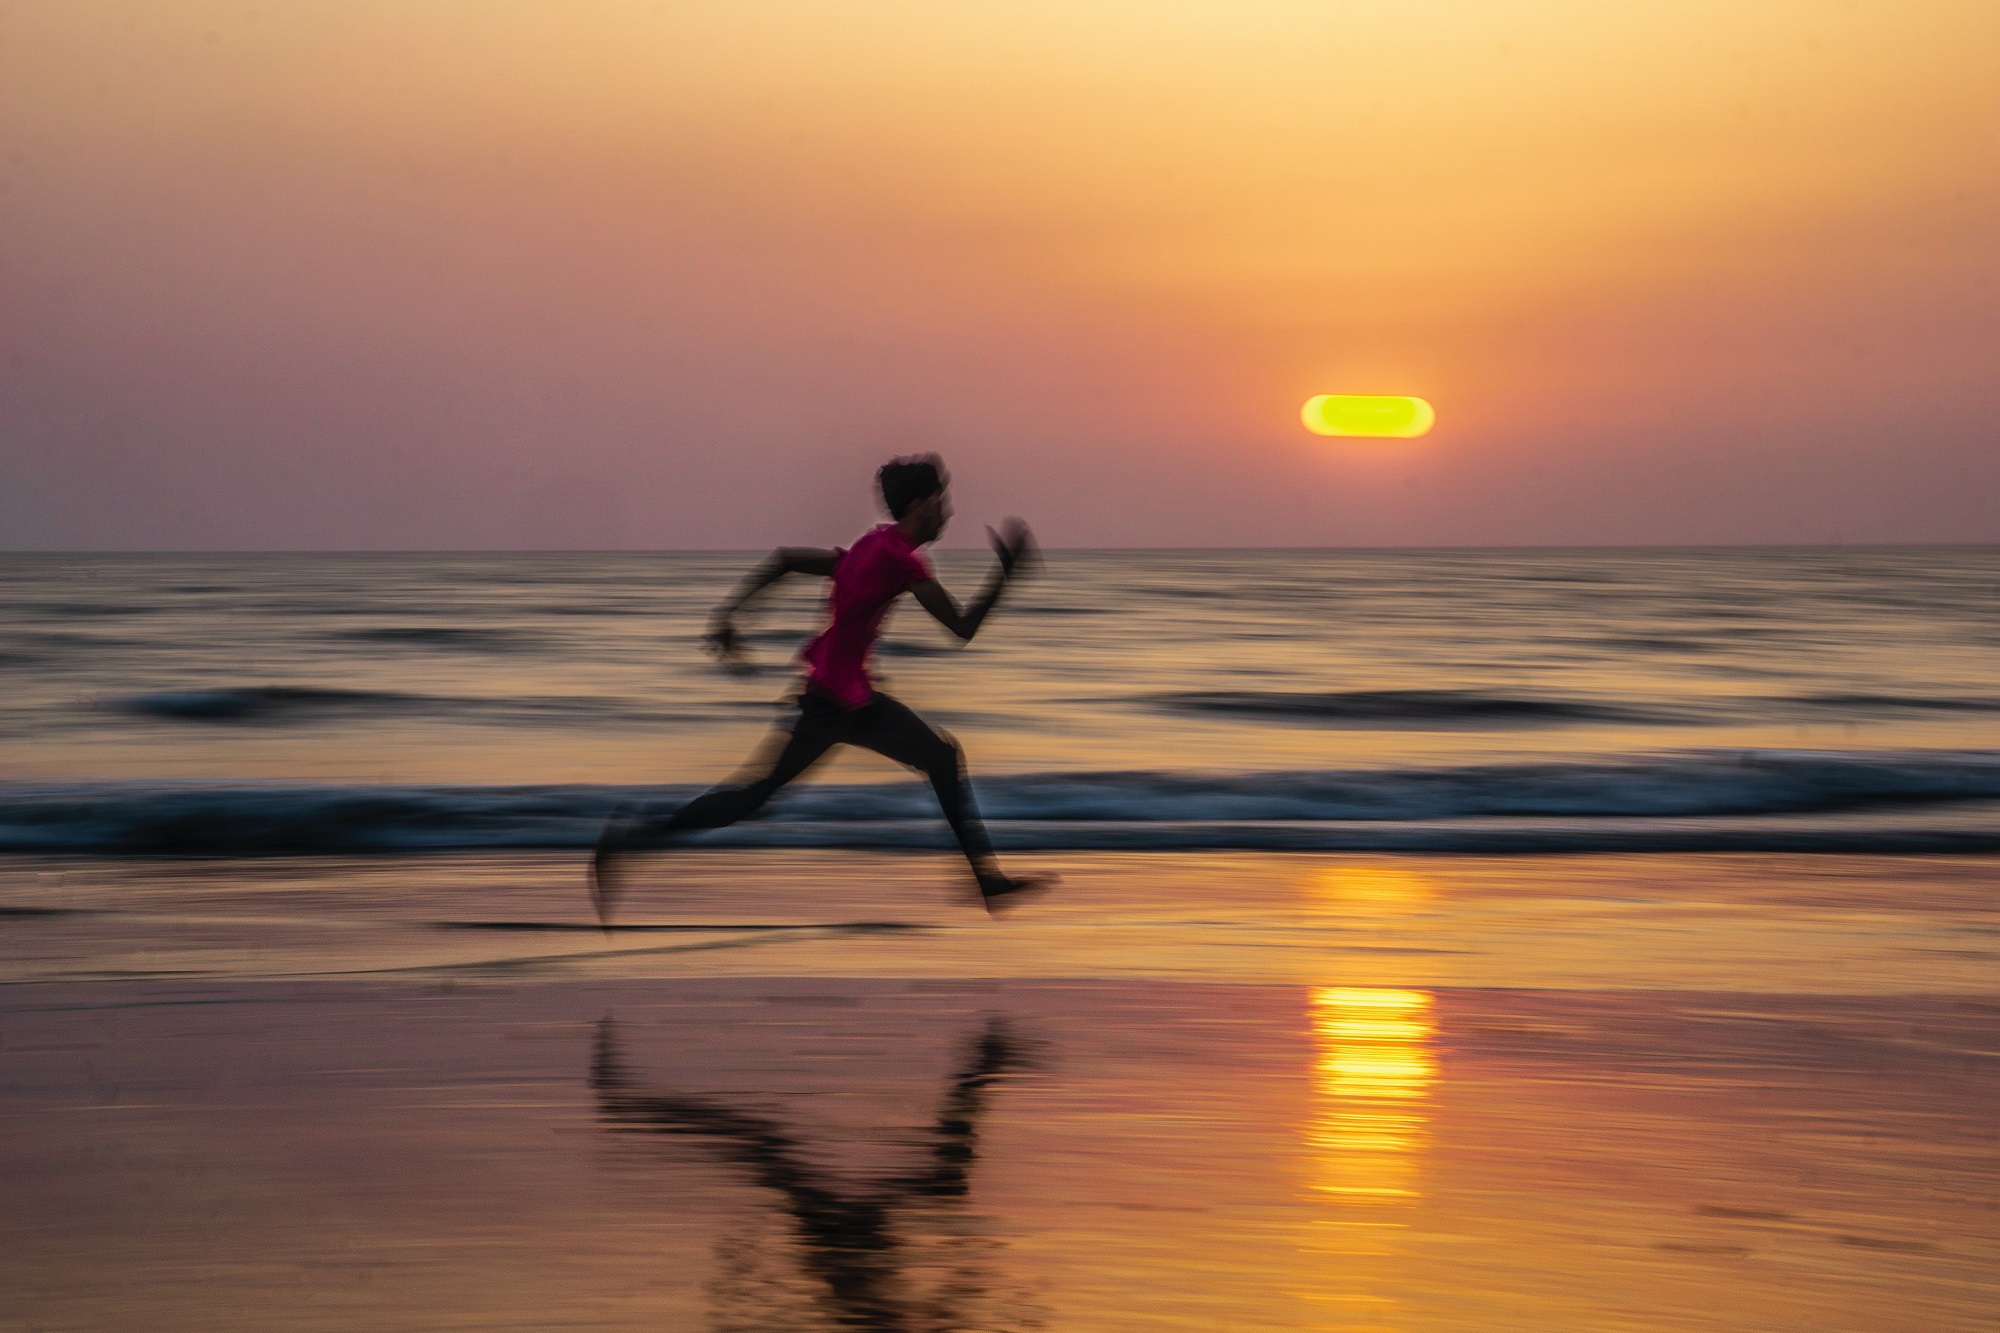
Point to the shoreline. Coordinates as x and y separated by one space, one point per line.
1712 922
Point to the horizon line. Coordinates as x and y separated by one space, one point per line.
1835 545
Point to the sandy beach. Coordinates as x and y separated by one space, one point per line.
1401 1093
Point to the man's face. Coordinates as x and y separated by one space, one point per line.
932 514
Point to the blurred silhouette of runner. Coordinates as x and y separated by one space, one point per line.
855 1240
838 703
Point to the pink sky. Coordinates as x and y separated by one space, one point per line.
352 273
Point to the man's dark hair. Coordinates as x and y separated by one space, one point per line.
906 481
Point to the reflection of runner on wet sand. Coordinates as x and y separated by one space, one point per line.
839 704
854 1240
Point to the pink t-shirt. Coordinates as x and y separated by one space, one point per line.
867 579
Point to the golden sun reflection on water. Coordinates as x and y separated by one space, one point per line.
1383 890
1373 1069
1372 1073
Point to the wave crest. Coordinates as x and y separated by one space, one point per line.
1408 708
290 704
1678 801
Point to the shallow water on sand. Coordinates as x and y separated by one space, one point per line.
809 1090
770 1154
1798 924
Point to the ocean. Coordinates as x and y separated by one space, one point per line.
1644 700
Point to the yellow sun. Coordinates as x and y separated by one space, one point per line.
1367 414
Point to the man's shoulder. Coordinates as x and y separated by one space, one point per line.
875 536
886 545
885 539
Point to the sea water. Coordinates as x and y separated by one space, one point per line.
1456 701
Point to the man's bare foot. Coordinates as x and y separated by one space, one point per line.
607 868
1000 892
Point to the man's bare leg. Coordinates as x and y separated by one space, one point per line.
891 729
810 738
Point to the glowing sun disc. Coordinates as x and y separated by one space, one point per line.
1377 416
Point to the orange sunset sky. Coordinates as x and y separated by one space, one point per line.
598 273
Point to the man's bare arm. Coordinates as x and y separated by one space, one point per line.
1012 548
721 638
931 595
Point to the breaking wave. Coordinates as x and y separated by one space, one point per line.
1755 800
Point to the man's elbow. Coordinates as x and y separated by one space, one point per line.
797 560
955 622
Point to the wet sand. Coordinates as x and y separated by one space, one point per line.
1893 925
1410 1095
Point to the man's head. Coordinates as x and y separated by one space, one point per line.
915 490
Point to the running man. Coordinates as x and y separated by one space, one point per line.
838 703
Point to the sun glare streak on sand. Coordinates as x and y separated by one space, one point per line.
1372 1073
1373 1069
1389 890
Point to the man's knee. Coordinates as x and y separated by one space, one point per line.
753 796
722 806
943 756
